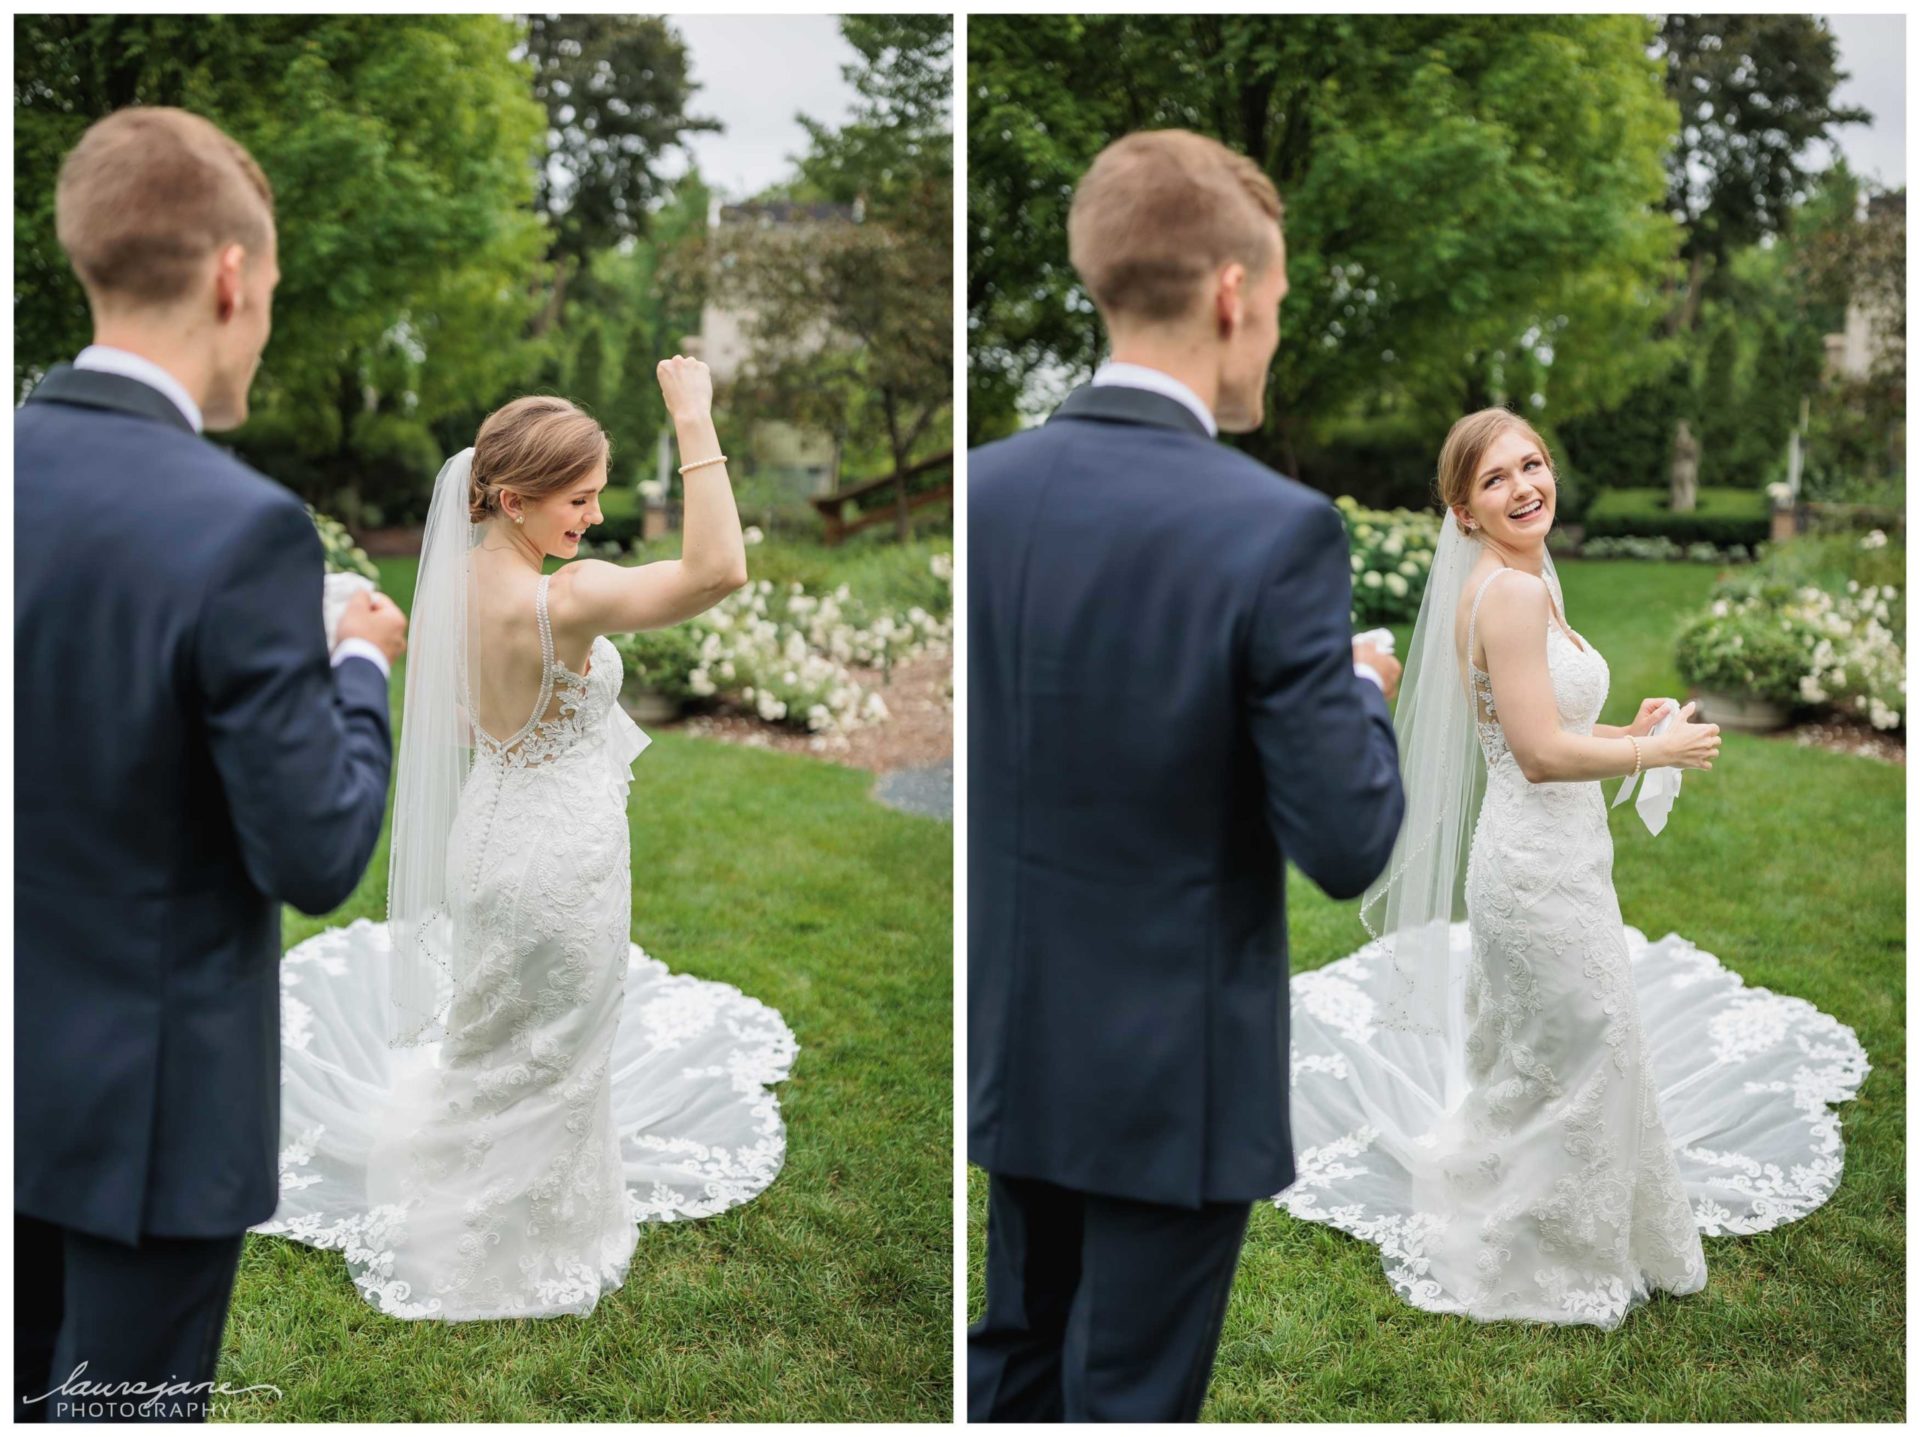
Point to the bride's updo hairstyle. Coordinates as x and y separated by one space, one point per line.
1467 444
535 446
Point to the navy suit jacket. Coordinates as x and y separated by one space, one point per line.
184 760
1161 708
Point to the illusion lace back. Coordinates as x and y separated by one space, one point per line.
1622 1097
581 1089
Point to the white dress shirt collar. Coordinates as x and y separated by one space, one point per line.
108 360
1139 376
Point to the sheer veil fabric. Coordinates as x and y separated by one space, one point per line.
436 755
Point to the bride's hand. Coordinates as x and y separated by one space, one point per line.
1687 744
687 387
1649 715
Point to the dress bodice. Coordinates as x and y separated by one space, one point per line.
1577 670
570 705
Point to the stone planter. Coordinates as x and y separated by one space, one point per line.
647 706
1742 713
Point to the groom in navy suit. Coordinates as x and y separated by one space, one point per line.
1163 706
188 756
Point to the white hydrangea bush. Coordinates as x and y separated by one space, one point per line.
791 656
1391 554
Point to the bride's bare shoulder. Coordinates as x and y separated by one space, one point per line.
1520 601
577 593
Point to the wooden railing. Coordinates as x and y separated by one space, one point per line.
833 507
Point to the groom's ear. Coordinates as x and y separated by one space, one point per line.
229 280
1230 298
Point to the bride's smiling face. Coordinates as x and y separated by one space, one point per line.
1510 498
558 522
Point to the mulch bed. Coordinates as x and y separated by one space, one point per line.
917 735
1840 736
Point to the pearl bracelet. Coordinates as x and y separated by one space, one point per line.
703 463
1636 755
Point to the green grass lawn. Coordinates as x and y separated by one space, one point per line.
1789 864
829 1297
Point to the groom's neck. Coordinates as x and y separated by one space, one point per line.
180 357
1193 364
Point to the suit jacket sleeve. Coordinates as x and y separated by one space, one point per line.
303 749
1323 733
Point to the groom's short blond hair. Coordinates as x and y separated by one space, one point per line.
148 195
1158 212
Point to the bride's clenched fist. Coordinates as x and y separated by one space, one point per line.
687 387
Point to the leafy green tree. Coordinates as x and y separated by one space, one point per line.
852 319
616 89
1472 201
647 294
401 150
1754 94
900 138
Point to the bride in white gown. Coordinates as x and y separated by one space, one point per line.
484 1097
1536 1113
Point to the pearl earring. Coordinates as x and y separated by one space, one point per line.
519 518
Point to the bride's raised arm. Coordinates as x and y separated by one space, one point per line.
603 598
1513 624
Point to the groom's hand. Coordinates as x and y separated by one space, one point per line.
1383 664
377 618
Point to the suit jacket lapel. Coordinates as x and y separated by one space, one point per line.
1121 404
97 389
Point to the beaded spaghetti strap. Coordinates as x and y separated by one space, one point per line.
1473 615
546 667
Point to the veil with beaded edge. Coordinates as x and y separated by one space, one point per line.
435 756
1443 771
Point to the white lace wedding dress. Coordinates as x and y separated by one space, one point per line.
1622 1097
582 1089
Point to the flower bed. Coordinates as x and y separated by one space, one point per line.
792 655
1835 646
1392 555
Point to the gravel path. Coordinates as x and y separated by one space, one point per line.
926 791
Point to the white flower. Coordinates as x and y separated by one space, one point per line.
1397 585
1371 579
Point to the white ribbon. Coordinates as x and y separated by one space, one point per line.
1659 787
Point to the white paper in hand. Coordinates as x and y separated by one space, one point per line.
1659 787
333 601
1381 639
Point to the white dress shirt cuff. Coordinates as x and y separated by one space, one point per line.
1360 669
362 648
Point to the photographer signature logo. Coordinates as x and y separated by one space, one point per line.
83 1397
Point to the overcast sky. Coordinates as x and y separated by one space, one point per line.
756 72
1873 52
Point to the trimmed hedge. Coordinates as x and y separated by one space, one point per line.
1724 517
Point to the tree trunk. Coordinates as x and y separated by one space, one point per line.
1686 469
1684 315
903 517
550 313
